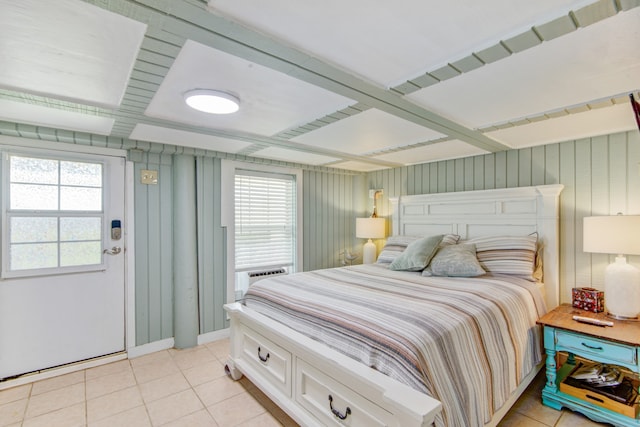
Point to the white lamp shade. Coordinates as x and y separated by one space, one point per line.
370 228
615 234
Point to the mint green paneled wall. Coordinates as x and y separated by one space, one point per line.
328 228
330 207
601 176
212 243
153 215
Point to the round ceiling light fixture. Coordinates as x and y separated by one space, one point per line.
212 101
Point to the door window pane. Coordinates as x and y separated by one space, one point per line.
33 197
35 171
81 174
32 256
32 230
80 228
80 253
80 199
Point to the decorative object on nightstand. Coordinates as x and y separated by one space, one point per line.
370 228
617 234
348 257
590 299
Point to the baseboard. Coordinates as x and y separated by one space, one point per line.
149 348
213 336
165 344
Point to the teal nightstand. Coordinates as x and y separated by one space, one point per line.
617 345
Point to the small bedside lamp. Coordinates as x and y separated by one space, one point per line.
617 234
369 228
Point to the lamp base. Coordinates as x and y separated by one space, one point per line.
369 253
622 289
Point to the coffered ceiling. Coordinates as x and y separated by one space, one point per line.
359 85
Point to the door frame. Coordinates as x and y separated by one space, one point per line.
128 244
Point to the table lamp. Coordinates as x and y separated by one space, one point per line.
620 235
370 228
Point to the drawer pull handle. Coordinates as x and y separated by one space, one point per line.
594 398
592 347
262 359
337 413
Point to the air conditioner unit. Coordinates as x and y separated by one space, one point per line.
254 276
247 278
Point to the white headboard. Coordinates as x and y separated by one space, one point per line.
509 211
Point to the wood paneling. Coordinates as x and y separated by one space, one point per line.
153 245
601 176
212 277
329 218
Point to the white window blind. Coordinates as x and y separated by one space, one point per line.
264 220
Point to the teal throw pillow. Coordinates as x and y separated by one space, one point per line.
417 255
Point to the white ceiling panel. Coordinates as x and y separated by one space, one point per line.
585 65
67 49
278 153
389 42
370 130
601 121
270 101
182 138
356 84
38 115
433 152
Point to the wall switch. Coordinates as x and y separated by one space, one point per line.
149 176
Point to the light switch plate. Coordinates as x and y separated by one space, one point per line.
149 176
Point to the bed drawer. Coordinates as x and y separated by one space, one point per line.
596 348
332 403
268 358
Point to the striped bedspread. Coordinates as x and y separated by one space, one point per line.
466 342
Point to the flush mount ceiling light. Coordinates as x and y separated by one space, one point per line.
212 101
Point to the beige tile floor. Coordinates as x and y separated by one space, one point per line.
186 388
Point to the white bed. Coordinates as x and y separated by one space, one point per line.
299 373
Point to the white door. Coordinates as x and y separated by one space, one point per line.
62 292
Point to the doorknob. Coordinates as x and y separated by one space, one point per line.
113 251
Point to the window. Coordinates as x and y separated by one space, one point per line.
53 215
265 220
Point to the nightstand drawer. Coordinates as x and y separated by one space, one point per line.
589 346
